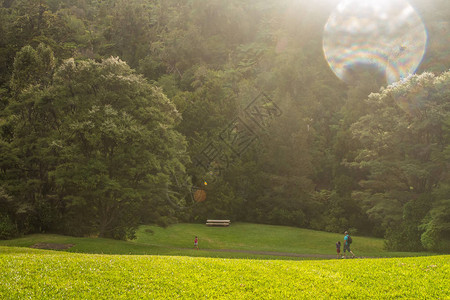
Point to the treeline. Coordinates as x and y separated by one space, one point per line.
116 113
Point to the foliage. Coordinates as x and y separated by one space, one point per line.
95 141
7 228
404 139
330 161
437 223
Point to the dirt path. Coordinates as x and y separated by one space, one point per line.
51 246
270 253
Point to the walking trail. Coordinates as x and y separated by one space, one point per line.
270 253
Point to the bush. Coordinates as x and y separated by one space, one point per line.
7 228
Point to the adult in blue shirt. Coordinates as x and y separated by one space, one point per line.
347 244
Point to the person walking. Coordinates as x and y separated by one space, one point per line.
347 242
196 242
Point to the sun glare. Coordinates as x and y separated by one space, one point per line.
381 34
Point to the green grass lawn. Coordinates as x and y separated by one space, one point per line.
257 237
178 240
169 269
39 274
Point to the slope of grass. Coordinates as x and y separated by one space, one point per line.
257 237
39 274
178 240
108 246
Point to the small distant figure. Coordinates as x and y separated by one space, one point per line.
196 242
338 249
347 242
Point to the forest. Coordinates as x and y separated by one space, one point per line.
117 113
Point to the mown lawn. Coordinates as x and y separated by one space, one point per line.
40 274
108 246
257 237
178 240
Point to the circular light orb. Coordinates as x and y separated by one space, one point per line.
200 195
386 35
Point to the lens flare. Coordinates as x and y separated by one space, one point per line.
200 195
386 34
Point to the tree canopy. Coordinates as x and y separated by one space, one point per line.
114 113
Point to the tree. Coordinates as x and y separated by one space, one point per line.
118 146
403 147
92 145
436 225
27 126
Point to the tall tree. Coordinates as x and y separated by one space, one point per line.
93 146
28 123
118 146
404 144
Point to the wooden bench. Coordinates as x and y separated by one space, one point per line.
218 222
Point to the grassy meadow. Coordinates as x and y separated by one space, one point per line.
164 265
257 237
254 240
41 274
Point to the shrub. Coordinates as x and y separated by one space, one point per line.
8 229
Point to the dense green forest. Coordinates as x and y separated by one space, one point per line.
117 113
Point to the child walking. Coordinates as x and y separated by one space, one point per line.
338 249
196 242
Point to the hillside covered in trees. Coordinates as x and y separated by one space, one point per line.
116 113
